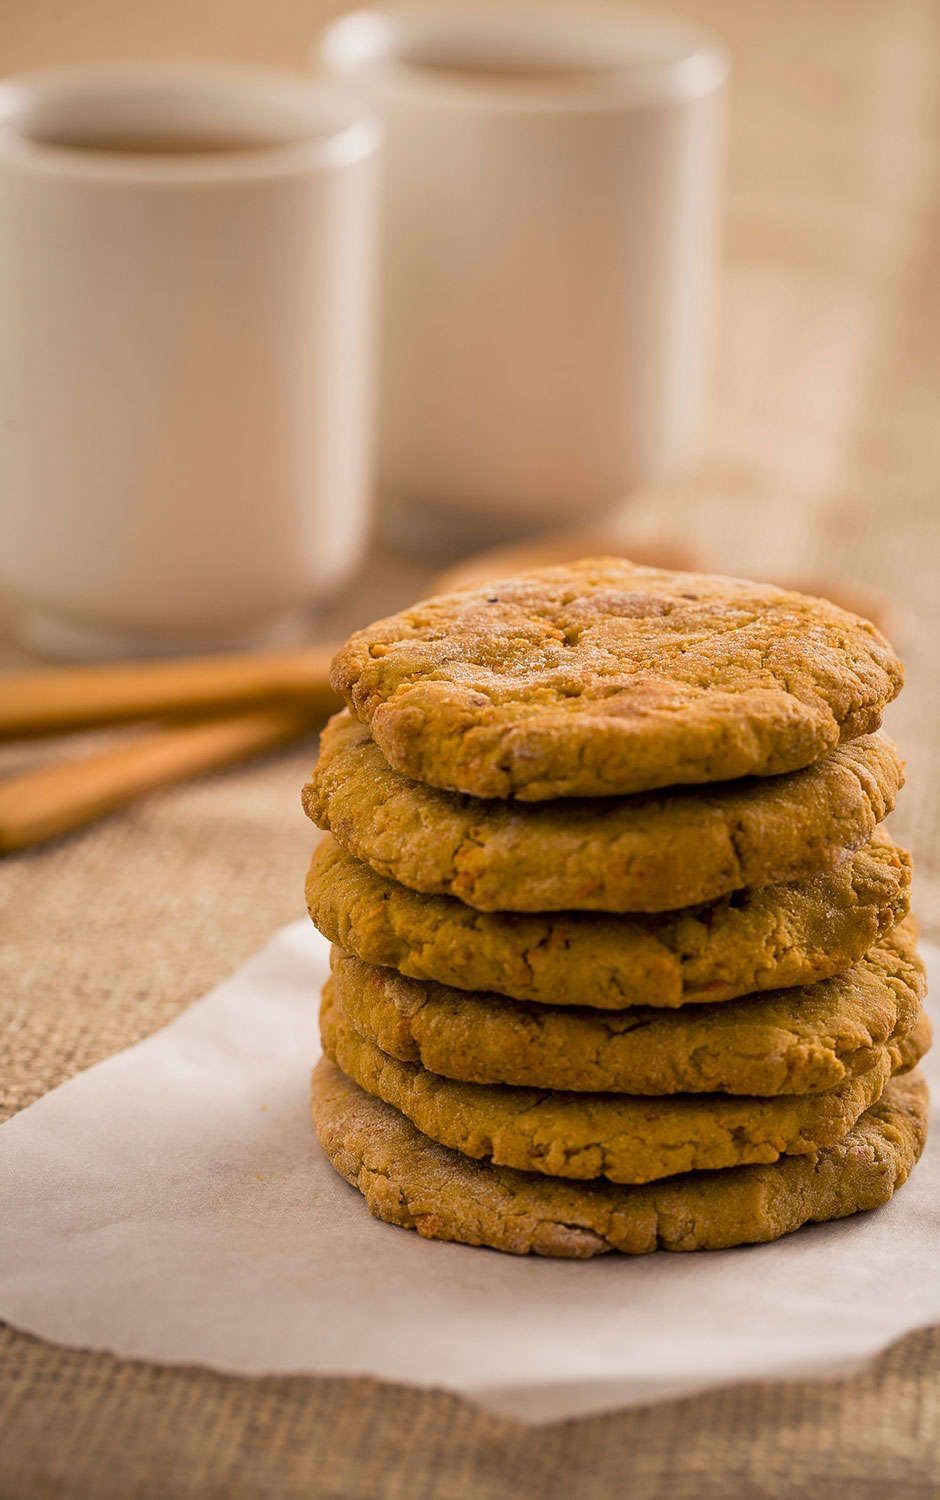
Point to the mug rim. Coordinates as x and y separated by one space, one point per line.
332 129
371 46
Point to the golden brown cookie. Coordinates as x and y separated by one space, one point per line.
764 938
651 853
797 1041
599 678
626 1138
408 1180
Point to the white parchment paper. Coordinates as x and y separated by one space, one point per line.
172 1204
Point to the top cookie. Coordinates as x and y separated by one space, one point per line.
601 677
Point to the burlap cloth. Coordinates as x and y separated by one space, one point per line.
821 458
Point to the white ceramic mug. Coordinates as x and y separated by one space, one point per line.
185 348
550 196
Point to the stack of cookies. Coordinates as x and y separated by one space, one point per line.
622 956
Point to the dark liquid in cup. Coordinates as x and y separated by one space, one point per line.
505 72
156 143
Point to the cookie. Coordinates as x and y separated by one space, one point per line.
655 852
626 1138
798 1041
764 938
409 1181
601 678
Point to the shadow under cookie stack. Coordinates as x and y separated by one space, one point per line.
621 954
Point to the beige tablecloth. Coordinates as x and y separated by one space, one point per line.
820 459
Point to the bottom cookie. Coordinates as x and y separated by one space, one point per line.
408 1180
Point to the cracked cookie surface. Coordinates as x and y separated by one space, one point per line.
654 852
625 1138
602 678
803 1040
759 939
408 1180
